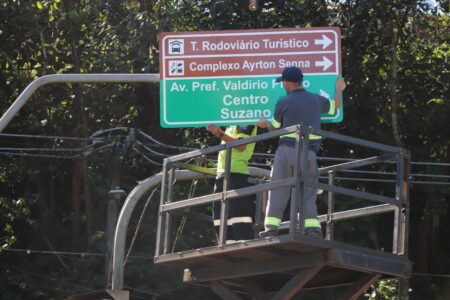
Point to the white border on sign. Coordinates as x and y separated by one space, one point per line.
256 54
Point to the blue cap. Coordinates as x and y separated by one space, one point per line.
291 74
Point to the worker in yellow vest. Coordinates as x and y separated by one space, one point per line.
241 211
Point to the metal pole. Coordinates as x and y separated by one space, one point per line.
122 226
129 205
224 202
330 223
161 220
405 201
303 178
62 78
397 245
167 215
296 190
115 197
403 289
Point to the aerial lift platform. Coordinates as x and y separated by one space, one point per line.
281 266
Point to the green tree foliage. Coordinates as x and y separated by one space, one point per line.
396 61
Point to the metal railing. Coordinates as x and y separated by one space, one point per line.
399 204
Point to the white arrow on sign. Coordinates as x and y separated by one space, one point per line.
325 63
324 94
325 41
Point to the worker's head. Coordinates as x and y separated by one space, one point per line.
292 78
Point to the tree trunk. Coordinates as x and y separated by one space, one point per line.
394 85
423 255
80 130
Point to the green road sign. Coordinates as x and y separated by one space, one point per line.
224 101
228 78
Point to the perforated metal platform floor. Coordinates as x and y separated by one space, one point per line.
278 267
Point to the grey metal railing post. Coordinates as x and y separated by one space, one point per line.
224 201
167 215
161 214
404 164
401 213
303 178
296 190
405 196
329 235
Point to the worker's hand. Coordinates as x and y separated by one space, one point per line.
340 84
214 129
262 123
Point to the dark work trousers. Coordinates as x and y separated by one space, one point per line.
285 158
241 211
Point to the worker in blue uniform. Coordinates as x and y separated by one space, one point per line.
297 107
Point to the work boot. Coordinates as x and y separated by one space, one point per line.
268 232
314 233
